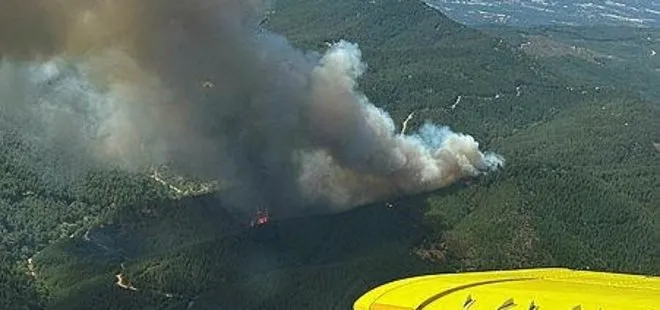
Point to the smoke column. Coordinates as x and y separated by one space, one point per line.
196 83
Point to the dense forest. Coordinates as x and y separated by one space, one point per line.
580 188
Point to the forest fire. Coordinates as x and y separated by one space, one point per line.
260 218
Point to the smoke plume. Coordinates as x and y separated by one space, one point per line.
198 84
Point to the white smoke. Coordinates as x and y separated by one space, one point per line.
430 159
191 83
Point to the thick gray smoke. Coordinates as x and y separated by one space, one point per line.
197 84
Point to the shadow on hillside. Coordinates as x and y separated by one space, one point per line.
192 247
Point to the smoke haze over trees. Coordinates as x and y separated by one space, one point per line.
199 85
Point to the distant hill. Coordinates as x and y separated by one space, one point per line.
420 60
579 190
598 55
634 13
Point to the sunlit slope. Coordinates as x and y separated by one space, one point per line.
579 191
617 56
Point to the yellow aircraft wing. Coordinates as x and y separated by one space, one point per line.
529 289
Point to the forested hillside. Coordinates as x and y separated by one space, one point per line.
620 56
580 188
